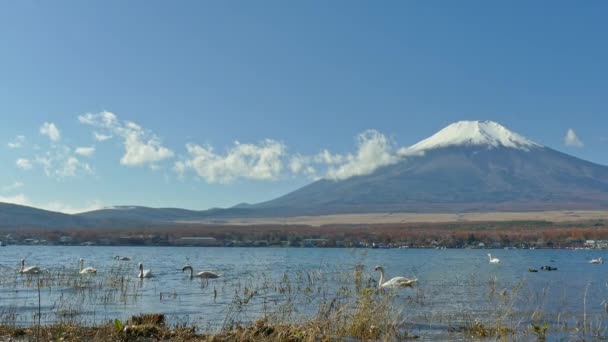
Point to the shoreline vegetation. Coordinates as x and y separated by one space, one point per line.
498 234
259 331
362 313
152 327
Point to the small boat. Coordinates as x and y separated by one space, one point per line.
532 270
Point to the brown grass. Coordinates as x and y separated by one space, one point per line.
369 319
451 234
392 218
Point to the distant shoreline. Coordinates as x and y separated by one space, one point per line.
567 230
325 247
401 217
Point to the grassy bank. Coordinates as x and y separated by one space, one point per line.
370 317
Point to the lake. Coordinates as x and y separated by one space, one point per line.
455 286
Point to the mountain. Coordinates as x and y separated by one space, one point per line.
467 166
13 215
141 214
138 215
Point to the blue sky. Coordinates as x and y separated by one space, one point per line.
178 84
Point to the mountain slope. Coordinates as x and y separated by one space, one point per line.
460 178
140 214
13 215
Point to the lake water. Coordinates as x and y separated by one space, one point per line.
455 285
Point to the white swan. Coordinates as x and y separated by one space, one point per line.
144 273
86 270
124 258
394 282
493 260
28 270
597 261
203 274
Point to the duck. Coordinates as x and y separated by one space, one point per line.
548 268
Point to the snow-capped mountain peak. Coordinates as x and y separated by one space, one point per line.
484 133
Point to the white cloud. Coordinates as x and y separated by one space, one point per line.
59 162
101 137
70 209
57 206
248 161
103 119
20 199
180 167
23 163
18 142
267 160
71 165
373 151
572 140
298 163
85 151
409 152
8 188
326 157
301 164
50 130
140 150
141 146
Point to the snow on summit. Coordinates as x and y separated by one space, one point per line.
486 133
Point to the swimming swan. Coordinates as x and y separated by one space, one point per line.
394 282
28 270
86 270
493 260
597 261
202 275
144 273
122 258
